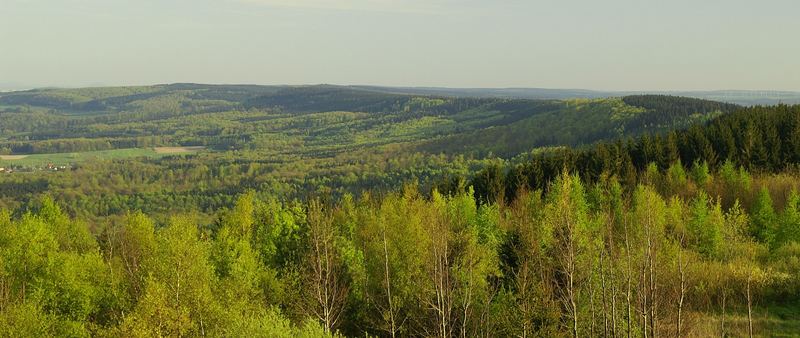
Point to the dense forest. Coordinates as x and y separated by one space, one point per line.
333 211
762 139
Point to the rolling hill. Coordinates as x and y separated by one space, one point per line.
291 140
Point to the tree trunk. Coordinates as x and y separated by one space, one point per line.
613 282
651 258
603 287
591 306
646 294
749 309
329 291
724 298
629 277
682 275
392 323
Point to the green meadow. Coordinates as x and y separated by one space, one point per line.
59 159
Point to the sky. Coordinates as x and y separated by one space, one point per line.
589 44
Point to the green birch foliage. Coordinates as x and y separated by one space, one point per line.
178 298
27 254
789 230
71 235
676 178
705 225
764 219
649 216
278 233
566 213
700 173
65 280
394 245
476 241
27 320
238 267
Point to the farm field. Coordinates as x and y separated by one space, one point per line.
60 159
177 150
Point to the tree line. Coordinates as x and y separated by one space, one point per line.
760 139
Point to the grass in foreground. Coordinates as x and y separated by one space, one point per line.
774 321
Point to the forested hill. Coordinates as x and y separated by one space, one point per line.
194 98
293 140
328 98
312 98
676 105
664 111
741 97
233 117
582 122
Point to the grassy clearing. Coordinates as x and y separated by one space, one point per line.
12 157
775 321
58 159
177 150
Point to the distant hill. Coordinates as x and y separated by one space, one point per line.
519 93
312 97
328 119
742 97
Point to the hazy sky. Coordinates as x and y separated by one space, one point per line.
594 44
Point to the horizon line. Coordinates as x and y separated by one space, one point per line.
6 88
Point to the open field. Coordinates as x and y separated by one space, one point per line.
58 159
177 150
12 157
